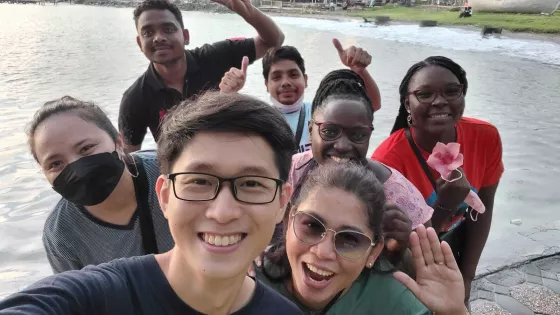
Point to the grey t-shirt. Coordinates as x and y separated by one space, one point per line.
128 286
73 238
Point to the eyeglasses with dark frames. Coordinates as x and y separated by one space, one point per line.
251 189
331 132
428 96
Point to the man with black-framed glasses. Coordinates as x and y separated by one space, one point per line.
224 161
195 186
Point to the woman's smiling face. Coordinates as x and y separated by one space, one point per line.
319 273
443 112
355 121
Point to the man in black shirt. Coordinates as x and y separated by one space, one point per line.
221 212
176 74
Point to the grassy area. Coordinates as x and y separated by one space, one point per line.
514 22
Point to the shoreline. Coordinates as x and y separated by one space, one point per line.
310 13
554 38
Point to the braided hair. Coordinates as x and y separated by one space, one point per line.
337 84
440 61
341 84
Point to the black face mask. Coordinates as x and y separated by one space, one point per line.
91 179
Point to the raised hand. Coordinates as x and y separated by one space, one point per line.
242 7
234 79
353 57
439 284
397 227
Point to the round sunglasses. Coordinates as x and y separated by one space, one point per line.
350 245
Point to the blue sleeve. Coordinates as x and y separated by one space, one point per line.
92 291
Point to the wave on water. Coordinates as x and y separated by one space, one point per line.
440 37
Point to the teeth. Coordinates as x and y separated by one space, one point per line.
221 240
339 159
439 116
321 272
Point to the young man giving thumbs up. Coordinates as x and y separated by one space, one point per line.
286 81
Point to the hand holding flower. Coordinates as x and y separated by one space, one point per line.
445 159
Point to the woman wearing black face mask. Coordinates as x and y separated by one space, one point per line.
108 208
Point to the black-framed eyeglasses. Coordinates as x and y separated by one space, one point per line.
428 96
192 186
350 245
330 132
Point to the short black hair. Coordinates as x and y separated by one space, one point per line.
440 61
275 54
87 111
147 5
231 112
341 84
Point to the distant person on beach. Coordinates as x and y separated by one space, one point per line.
221 212
176 74
467 12
109 208
432 96
286 80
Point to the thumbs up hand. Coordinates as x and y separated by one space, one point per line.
353 57
234 79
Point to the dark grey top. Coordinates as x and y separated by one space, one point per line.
73 238
126 286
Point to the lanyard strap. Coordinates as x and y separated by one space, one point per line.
146 223
420 158
301 121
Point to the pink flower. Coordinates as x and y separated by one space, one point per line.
446 158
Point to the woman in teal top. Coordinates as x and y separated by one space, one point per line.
333 239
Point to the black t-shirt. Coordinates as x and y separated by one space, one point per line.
145 103
128 286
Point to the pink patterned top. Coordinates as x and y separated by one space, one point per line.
398 190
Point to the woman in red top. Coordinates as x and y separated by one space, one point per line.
432 98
